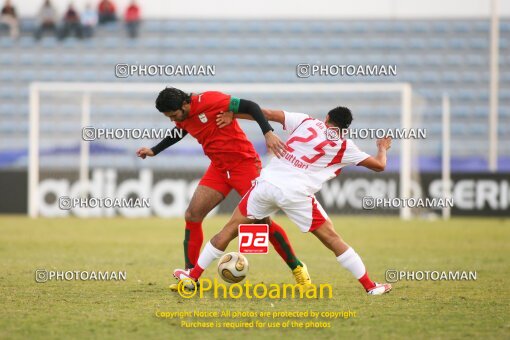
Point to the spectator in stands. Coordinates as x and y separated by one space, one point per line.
9 18
132 19
47 19
106 11
88 21
71 23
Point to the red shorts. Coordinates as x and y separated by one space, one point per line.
240 178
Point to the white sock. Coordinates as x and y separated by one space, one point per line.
351 261
208 255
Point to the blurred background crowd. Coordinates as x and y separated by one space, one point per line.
72 22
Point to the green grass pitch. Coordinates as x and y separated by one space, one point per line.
148 249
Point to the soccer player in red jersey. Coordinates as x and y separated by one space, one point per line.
234 163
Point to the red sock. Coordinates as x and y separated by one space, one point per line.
366 282
281 244
196 272
193 239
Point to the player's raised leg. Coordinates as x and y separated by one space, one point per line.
348 258
307 213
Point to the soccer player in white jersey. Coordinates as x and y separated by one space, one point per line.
315 153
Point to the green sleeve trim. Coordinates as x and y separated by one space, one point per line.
234 104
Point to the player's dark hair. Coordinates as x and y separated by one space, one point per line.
171 99
341 117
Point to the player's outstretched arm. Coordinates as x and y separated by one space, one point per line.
378 163
165 143
274 115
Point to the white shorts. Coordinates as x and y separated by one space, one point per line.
264 199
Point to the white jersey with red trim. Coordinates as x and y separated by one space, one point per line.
310 157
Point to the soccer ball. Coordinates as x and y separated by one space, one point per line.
233 267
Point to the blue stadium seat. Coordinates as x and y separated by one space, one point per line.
8 109
461 110
437 43
481 111
457 43
470 77
433 60
440 27
277 27
356 43
476 60
460 27
505 76
410 76
504 111
413 59
8 93
480 43
419 27
429 92
337 42
25 41
450 77
234 44
152 26
212 27
454 59
319 27
503 43
416 43
6 43
151 42
7 58
70 43
47 42
504 26
26 59
482 26
171 25
430 77
379 26
463 94
398 27
504 92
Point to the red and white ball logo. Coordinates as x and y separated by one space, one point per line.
253 238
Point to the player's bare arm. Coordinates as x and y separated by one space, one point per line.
274 115
168 141
378 163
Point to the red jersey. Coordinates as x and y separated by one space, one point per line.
225 147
